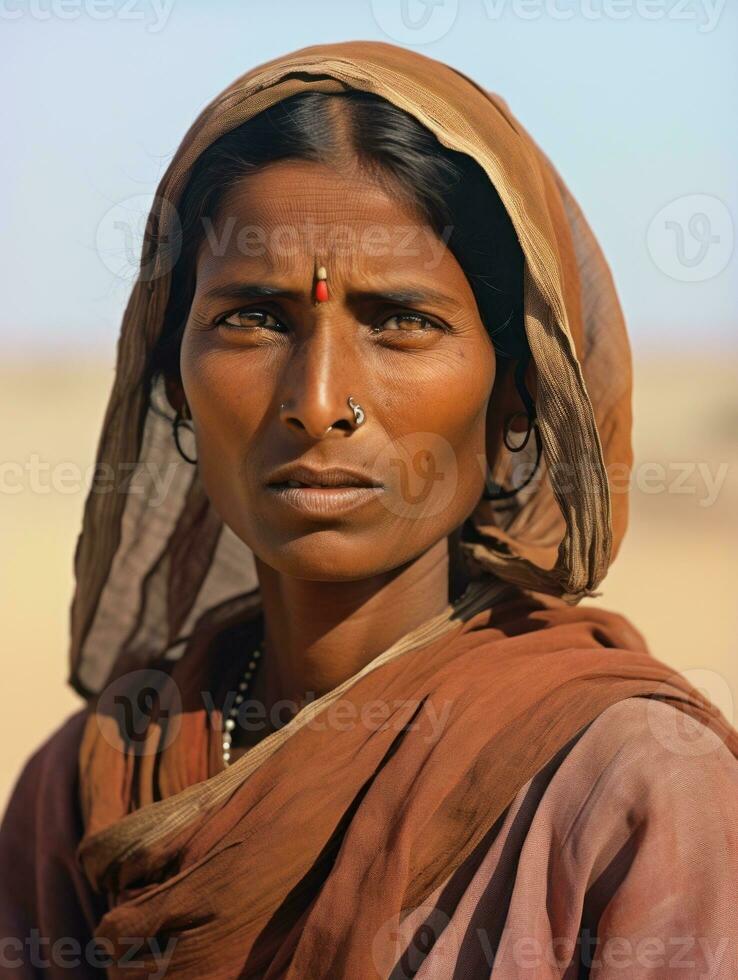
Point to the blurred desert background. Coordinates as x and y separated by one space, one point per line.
675 576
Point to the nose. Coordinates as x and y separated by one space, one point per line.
319 380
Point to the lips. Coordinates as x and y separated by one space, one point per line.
322 494
299 483
309 477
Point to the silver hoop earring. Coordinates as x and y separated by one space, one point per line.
359 413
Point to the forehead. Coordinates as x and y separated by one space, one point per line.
291 214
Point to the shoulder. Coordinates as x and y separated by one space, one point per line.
656 747
646 771
47 781
630 845
659 828
42 887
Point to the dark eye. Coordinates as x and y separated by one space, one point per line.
244 319
408 322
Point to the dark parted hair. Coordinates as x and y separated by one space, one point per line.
446 188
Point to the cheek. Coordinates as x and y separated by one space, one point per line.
437 457
451 401
465 431
227 401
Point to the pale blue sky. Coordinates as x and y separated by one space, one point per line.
636 113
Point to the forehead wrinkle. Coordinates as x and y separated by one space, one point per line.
279 200
294 233
321 202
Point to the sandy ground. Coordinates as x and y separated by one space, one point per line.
675 576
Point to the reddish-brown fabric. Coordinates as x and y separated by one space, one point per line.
619 857
42 886
620 854
340 830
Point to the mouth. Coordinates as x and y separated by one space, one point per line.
323 493
319 486
301 477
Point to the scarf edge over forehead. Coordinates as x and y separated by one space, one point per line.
559 539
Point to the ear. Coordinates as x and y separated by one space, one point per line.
175 393
504 401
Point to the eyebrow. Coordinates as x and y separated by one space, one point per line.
401 296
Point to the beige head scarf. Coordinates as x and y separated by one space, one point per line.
148 568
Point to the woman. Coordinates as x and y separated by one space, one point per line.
345 715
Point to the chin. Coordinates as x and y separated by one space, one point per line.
327 556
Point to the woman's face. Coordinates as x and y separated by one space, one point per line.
267 378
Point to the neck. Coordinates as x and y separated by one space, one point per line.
318 634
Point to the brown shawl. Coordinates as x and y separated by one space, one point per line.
288 862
